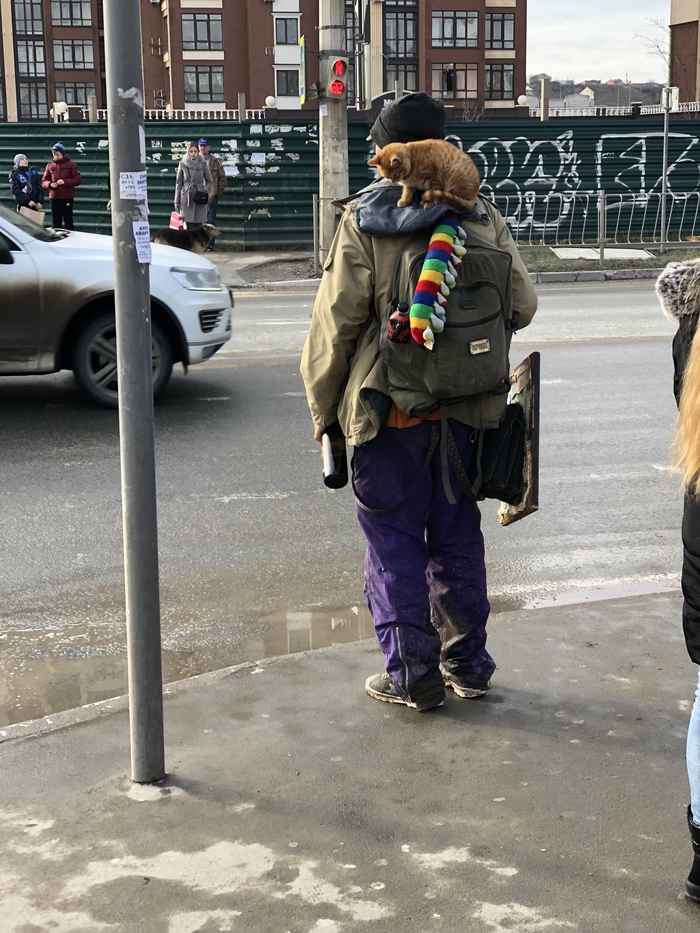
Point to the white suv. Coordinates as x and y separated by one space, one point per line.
57 307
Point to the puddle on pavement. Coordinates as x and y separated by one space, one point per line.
46 671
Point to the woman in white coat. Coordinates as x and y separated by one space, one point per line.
192 187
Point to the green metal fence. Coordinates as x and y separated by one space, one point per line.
273 167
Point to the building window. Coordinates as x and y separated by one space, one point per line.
202 31
204 84
71 13
287 82
75 93
400 45
32 100
73 55
31 61
400 32
499 82
405 74
500 31
28 19
286 31
455 30
455 81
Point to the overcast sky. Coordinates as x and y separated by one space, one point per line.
595 39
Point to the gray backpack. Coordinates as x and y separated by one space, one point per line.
470 356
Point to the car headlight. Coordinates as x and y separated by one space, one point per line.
201 280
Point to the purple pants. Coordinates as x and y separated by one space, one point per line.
425 576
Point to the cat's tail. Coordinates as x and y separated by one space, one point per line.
436 196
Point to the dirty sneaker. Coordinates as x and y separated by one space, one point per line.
466 690
381 687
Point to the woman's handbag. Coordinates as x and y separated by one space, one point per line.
200 197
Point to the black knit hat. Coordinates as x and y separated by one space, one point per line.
410 118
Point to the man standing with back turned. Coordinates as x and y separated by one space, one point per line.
218 187
425 574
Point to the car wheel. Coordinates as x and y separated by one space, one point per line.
95 360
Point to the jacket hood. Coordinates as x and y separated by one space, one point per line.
376 212
678 289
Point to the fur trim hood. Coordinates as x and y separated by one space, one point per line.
678 289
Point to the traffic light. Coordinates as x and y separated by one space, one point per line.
337 83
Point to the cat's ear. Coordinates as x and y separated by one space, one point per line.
396 160
374 160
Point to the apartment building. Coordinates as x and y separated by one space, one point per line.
201 54
684 55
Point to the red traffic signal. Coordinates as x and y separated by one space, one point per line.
336 86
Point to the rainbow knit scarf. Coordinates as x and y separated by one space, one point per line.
437 279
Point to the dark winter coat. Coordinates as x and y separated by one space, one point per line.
68 171
26 186
678 288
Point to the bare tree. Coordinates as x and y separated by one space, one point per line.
659 43
658 40
472 111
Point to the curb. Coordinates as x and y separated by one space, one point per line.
614 275
285 283
537 278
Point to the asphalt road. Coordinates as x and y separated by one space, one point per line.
257 558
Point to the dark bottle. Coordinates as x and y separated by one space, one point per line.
335 460
399 326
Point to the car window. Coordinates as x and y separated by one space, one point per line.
8 243
28 226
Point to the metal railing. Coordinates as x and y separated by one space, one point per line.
599 220
644 110
595 220
197 115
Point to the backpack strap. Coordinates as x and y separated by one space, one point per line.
447 444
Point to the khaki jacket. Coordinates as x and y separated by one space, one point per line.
218 177
344 375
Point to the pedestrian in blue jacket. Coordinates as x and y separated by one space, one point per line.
25 183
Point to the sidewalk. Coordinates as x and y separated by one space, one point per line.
298 805
232 264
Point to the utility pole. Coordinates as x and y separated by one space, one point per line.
333 121
544 99
669 102
127 166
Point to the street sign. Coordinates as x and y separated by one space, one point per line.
302 74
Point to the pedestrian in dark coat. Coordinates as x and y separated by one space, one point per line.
678 288
61 178
25 183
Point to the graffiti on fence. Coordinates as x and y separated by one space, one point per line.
540 179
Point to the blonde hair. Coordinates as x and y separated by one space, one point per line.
688 433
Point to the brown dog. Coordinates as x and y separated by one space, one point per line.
196 241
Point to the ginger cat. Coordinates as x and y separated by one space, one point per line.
444 173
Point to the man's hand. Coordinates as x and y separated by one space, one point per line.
60 182
319 431
53 185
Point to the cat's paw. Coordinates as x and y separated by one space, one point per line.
403 202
